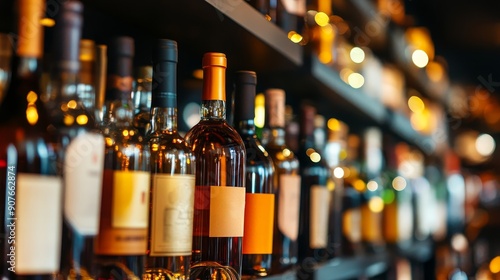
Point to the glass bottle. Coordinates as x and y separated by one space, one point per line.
220 181
121 243
79 148
286 185
372 204
101 64
31 191
5 59
86 81
316 193
172 175
259 203
142 99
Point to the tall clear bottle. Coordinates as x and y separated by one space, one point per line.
316 193
121 243
79 148
86 81
172 175
31 191
286 183
259 203
219 208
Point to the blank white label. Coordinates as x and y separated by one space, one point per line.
38 224
288 205
83 165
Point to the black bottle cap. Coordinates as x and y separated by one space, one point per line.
244 95
119 80
164 74
66 45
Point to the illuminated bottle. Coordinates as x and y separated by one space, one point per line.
259 203
31 191
121 243
219 208
79 147
286 185
172 175
316 193
142 99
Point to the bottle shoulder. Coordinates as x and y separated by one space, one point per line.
215 133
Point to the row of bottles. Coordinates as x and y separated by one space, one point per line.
98 183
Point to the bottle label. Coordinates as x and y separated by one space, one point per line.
124 213
172 215
259 220
295 7
83 166
351 224
405 221
318 217
288 205
226 207
38 224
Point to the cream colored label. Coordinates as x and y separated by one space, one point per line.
295 7
130 199
227 211
38 224
405 221
172 215
289 205
83 167
318 217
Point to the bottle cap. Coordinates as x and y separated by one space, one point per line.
165 74
214 76
214 59
68 29
244 103
30 30
166 50
275 107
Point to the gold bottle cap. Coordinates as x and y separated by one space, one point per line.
30 29
214 76
87 50
214 59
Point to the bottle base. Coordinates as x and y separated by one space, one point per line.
212 271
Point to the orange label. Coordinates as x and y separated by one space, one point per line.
227 211
259 219
123 226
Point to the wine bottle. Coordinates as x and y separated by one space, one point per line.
86 81
121 243
5 59
31 191
316 193
354 185
372 204
172 176
142 99
286 183
219 208
259 202
79 147
101 64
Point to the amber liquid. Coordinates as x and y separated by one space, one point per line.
285 248
220 156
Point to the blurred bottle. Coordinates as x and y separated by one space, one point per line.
290 17
372 204
455 185
5 61
142 99
86 81
316 193
259 202
292 129
354 185
286 184
101 64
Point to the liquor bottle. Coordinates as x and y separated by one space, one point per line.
5 59
259 202
121 243
354 185
219 208
79 147
289 15
142 99
31 191
86 81
101 64
286 185
172 176
316 193
372 204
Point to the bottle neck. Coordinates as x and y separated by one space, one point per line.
277 136
213 110
246 127
63 86
164 120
